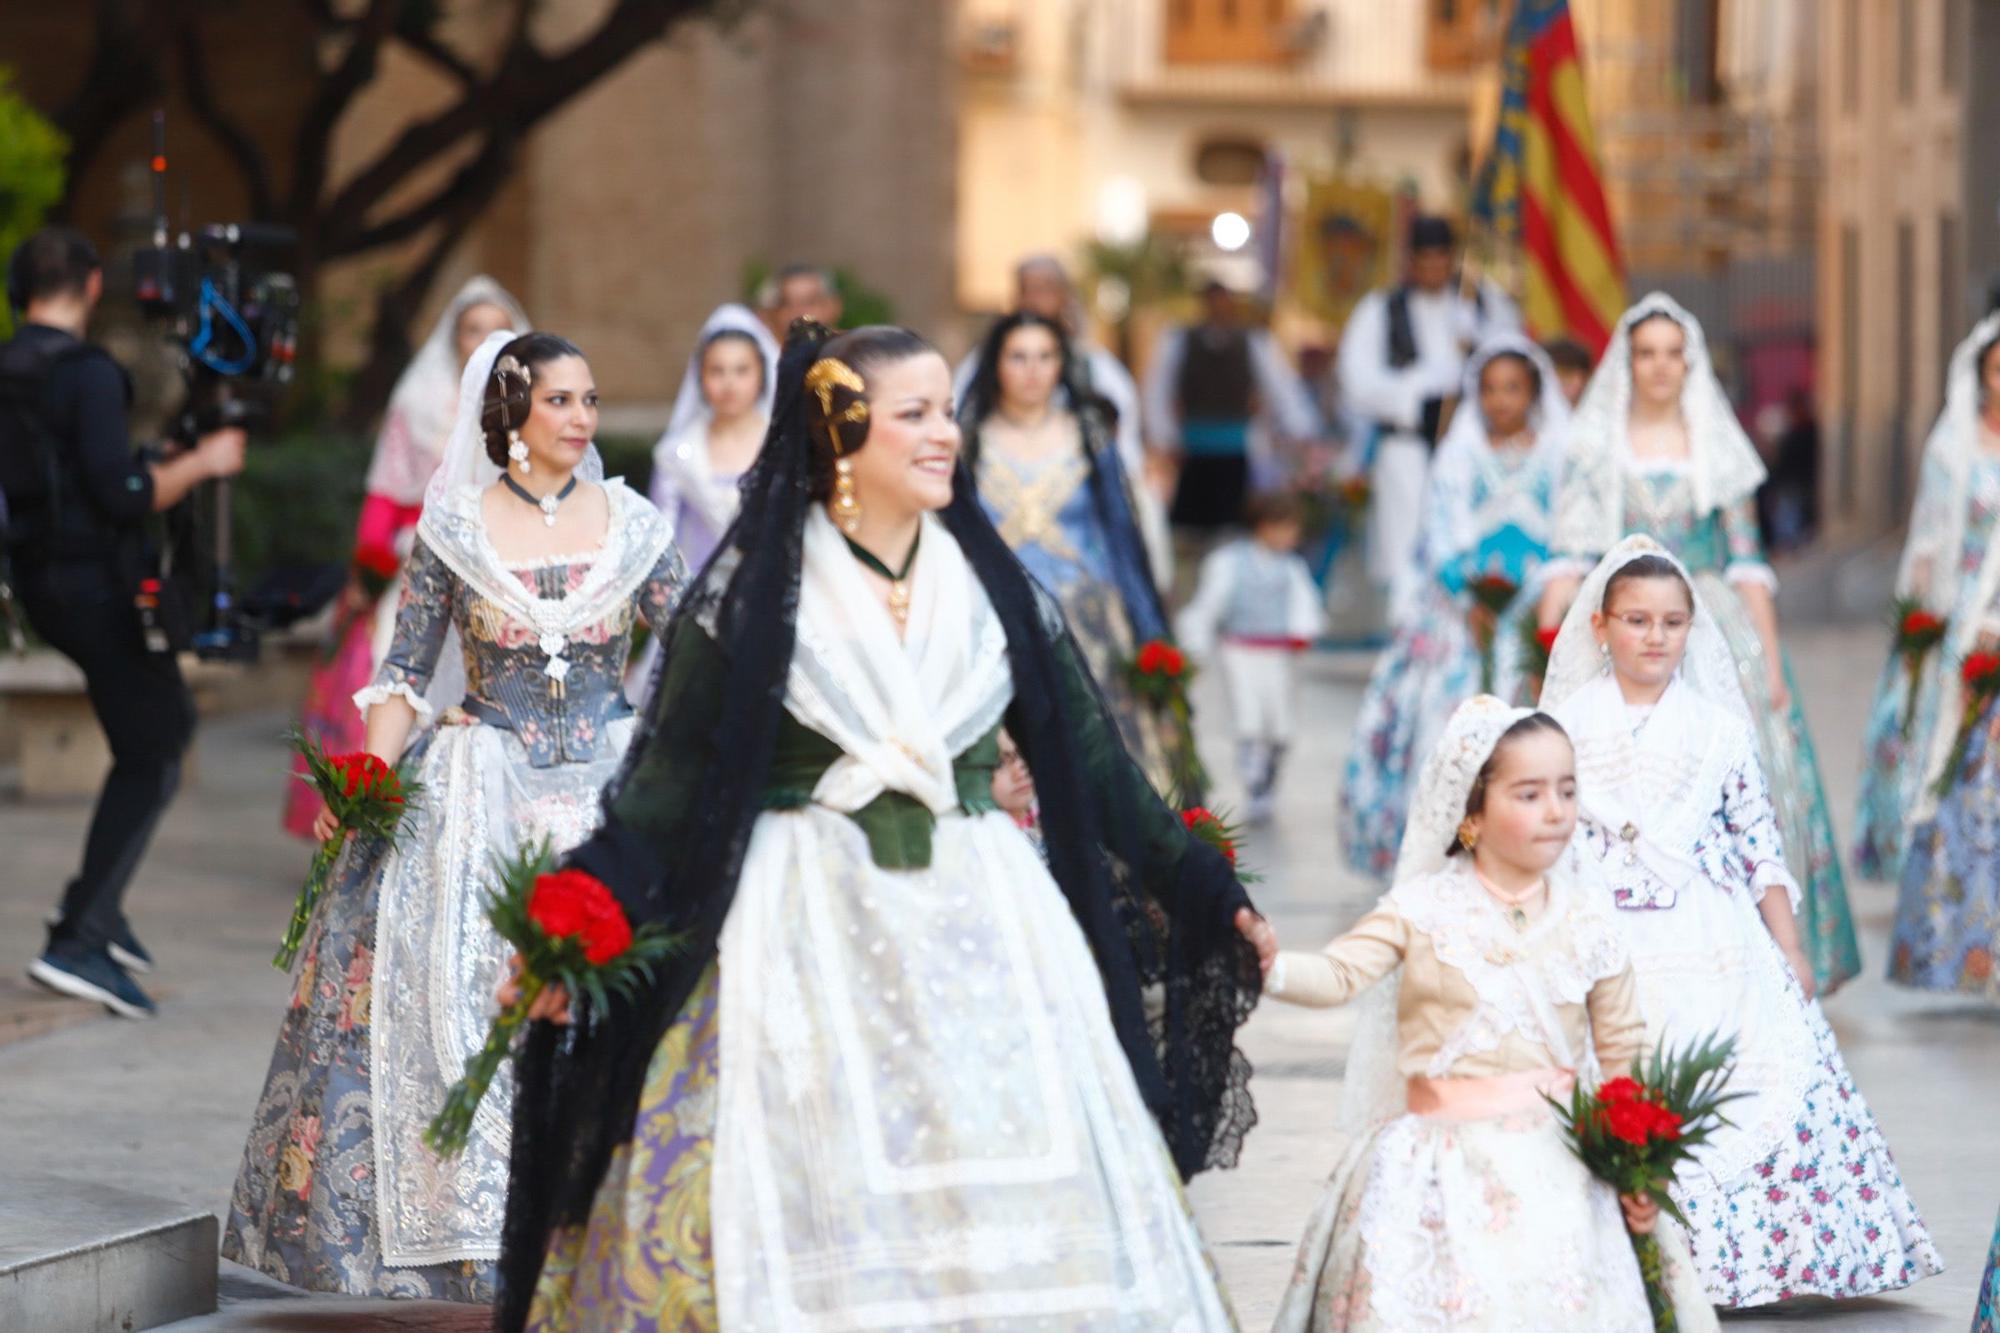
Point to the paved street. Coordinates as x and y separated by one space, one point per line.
161 1108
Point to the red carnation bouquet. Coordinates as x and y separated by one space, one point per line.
1220 833
375 566
570 932
367 796
1537 642
1918 632
1492 593
1160 674
1633 1133
1979 684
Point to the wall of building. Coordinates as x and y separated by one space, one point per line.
1893 260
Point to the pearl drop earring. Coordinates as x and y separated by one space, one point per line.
517 450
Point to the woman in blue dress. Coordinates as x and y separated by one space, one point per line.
1048 474
1486 513
1655 448
1948 908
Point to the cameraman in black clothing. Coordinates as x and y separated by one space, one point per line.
77 547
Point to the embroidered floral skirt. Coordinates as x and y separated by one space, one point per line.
304 1207
1434 1224
1948 910
1799 1194
1986 1316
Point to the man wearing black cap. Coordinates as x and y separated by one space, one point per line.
1401 357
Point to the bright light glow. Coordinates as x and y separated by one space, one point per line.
1230 231
1122 211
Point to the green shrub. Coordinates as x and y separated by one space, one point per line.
298 501
31 174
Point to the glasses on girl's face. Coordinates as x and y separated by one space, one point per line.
1639 623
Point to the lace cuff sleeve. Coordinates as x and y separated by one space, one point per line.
422 618
1752 824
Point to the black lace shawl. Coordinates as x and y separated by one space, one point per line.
1156 904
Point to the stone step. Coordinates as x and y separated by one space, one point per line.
80 1257
253 1303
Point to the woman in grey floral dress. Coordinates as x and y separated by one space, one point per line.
542 567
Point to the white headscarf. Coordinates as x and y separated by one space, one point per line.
1723 464
421 407
1937 523
1466 452
689 405
1663 781
1961 417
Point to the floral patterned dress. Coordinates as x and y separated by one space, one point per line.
1799 1194
1948 907
1432 664
1895 765
336 1191
1986 1317
1723 548
1048 513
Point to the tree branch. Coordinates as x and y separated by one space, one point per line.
315 135
249 157
431 49
491 163
527 87
123 75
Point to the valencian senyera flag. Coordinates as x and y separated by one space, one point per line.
1540 188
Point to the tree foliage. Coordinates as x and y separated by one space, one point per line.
31 173
142 48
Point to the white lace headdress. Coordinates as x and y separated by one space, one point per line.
421 405
1723 464
1576 660
689 406
1937 522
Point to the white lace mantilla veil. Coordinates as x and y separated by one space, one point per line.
1373 1088
1465 444
1723 464
1575 661
689 405
422 396
1954 442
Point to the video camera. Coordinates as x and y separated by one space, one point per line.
236 321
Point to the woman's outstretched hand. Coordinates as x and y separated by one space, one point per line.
1258 931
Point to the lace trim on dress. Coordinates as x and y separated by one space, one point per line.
365 699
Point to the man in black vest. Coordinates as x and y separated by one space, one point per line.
1401 357
1215 394
76 499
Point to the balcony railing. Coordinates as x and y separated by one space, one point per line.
1325 53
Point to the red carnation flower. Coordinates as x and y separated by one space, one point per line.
1152 656
1173 662
377 560
1547 638
1629 1121
1621 1090
1979 666
567 903
1921 622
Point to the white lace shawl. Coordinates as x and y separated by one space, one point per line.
1431 893
900 711
1665 781
1723 464
1937 521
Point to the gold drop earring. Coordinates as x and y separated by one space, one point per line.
846 508
1468 837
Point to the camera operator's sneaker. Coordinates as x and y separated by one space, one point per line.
89 974
127 952
124 946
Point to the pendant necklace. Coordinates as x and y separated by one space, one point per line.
899 580
546 503
1514 905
